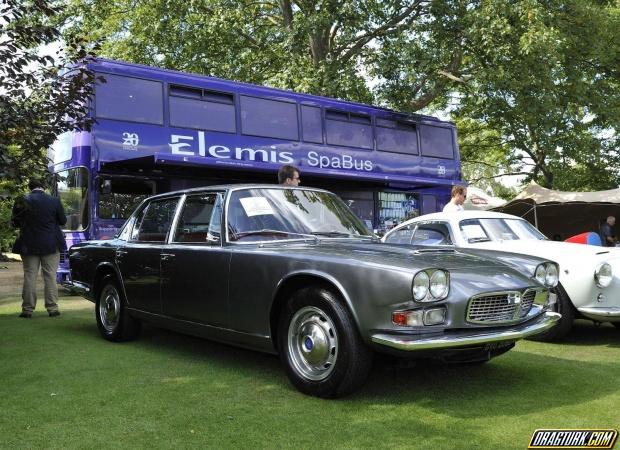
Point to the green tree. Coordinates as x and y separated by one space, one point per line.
328 47
543 75
42 96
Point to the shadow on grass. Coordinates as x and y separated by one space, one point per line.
585 332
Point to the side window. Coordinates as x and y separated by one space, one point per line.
269 118
311 124
396 136
132 99
432 234
200 221
202 109
154 221
401 236
436 141
348 129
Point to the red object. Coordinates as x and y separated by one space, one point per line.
588 238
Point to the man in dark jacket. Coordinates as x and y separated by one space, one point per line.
39 217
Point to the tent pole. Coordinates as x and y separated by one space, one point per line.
535 217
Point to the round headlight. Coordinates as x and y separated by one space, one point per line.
420 285
603 275
552 276
541 273
439 284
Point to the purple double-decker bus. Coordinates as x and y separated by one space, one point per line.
159 130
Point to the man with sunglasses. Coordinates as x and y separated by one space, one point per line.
459 194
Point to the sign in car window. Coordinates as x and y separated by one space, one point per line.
256 206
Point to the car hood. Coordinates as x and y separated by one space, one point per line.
559 252
403 256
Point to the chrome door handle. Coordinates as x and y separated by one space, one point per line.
121 252
167 256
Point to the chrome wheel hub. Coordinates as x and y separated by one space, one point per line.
109 308
312 343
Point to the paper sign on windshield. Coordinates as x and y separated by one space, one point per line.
256 206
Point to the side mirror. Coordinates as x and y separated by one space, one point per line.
105 187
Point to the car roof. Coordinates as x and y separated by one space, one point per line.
460 215
232 187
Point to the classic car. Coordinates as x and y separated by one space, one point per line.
293 271
589 286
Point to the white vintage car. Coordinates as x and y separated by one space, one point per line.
589 275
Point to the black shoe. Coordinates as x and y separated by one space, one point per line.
26 315
54 313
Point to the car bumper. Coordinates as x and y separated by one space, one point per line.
602 314
413 343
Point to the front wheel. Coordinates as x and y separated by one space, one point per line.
320 347
563 306
113 320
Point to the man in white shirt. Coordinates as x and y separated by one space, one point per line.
459 194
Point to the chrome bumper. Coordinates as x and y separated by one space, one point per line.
412 343
600 313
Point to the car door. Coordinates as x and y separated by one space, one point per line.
139 260
195 265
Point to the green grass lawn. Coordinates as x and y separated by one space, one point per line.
62 386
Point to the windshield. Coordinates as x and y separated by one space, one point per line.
72 189
267 214
499 229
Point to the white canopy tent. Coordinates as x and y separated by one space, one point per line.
560 214
477 199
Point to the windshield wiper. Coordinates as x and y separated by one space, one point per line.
267 231
337 234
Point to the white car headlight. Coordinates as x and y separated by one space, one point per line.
420 286
439 284
603 275
553 275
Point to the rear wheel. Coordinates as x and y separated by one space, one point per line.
113 320
563 306
319 345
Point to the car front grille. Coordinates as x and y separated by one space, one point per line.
500 307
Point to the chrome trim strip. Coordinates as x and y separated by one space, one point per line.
612 311
412 343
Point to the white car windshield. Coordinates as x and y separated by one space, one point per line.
498 229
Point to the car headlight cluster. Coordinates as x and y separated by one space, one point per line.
547 274
603 275
431 285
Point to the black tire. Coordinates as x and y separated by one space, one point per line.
563 306
319 345
114 322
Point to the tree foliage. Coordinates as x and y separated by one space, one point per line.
41 96
540 77
544 76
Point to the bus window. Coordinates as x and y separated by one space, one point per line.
118 197
348 129
436 141
311 124
269 118
131 99
398 137
72 189
202 110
